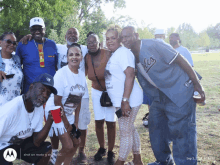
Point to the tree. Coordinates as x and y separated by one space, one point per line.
214 31
86 7
169 31
16 14
188 36
123 20
144 33
86 16
203 40
214 35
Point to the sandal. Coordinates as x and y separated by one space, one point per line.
101 152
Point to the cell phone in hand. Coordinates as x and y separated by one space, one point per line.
119 113
15 140
9 76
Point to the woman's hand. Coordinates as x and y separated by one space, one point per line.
76 142
62 112
2 76
125 108
76 124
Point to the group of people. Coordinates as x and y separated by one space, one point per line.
55 75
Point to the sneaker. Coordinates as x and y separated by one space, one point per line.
53 157
101 152
169 161
82 159
111 157
145 120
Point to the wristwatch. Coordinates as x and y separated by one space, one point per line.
125 99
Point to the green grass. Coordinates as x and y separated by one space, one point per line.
208 122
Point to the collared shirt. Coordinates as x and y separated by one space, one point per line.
29 56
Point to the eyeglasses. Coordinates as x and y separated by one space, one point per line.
9 42
36 29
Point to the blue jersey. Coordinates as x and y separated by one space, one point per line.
30 60
157 60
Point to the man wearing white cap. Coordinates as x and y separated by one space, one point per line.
39 55
159 34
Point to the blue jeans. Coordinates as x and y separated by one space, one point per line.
170 122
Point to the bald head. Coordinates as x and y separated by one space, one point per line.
129 36
72 36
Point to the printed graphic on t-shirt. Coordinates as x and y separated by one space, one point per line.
63 64
107 75
149 63
73 100
23 132
108 78
63 60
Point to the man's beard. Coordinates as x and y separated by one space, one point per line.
69 42
173 43
36 102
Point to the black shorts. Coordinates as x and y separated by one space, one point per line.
27 151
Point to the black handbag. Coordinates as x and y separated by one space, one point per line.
105 100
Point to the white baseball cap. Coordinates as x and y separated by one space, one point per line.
37 21
159 31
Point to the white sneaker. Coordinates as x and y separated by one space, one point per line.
145 120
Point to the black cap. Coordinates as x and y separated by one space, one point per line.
47 80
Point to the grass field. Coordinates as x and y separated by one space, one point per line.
208 122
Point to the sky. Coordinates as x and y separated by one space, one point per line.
163 14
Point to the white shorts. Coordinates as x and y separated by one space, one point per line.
84 114
106 113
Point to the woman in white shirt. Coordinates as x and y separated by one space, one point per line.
70 83
125 94
9 65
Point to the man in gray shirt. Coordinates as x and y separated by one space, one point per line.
170 80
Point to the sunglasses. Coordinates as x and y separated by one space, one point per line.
9 42
36 29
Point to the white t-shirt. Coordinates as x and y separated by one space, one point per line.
16 121
115 78
10 88
62 51
185 52
71 87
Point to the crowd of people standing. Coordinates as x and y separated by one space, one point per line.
55 75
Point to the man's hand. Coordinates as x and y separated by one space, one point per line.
198 87
50 117
25 39
2 74
125 108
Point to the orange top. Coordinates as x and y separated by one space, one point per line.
99 69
